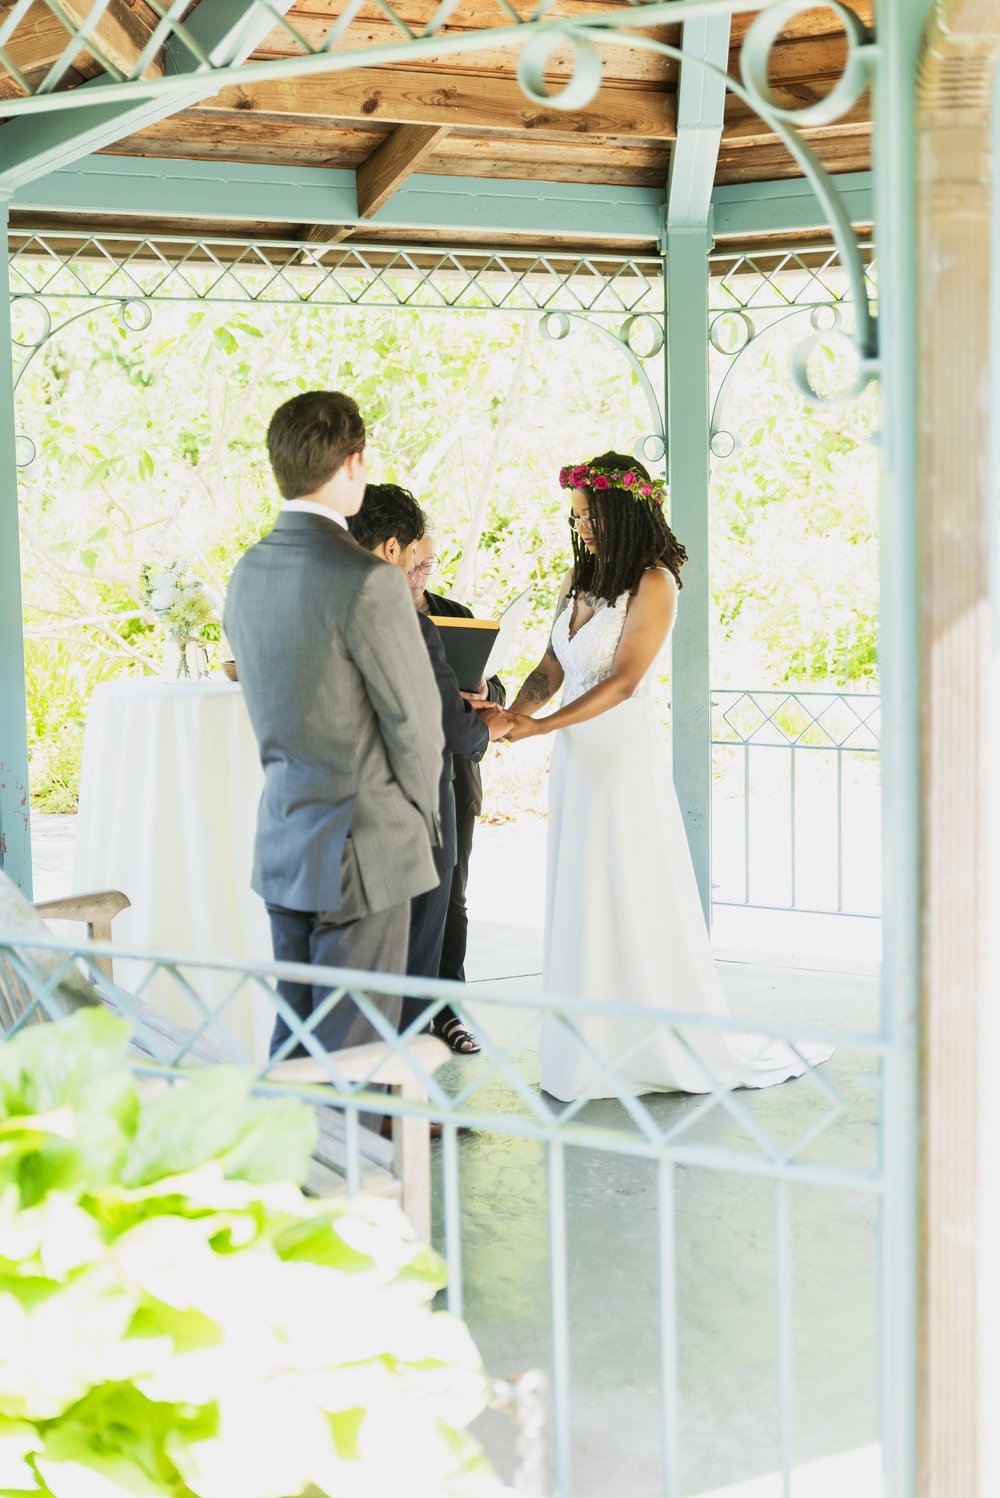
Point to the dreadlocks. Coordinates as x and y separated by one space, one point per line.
629 537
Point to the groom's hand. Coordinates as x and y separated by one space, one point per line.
498 722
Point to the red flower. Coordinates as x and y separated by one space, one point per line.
658 499
579 475
647 490
628 479
563 477
601 482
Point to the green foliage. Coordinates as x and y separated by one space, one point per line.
794 538
176 1318
151 447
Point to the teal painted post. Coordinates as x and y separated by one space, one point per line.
900 25
688 418
15 829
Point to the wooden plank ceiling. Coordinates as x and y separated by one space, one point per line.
462 115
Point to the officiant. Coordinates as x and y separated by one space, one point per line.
387 524
468 785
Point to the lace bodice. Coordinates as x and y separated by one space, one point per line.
588 657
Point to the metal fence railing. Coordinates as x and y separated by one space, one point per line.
796 800
694 1279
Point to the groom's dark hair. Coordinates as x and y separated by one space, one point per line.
387 510
310 436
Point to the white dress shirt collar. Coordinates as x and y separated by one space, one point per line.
308 507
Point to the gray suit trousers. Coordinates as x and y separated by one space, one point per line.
349 937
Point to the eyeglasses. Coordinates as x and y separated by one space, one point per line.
426 568
576 521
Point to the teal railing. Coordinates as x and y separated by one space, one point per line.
671 1264
796 800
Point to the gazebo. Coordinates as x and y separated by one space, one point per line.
589 157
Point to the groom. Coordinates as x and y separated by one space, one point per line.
342 700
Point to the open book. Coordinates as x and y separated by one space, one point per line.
476 648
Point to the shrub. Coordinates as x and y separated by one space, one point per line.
176 1318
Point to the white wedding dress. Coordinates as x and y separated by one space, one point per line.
624 922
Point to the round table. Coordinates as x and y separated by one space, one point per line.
168 809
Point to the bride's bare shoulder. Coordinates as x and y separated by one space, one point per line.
657 582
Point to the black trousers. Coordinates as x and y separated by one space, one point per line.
428 913
456 926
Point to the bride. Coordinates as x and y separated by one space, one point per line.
623 917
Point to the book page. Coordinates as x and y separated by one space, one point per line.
510 621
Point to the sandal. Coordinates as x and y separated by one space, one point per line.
456 1036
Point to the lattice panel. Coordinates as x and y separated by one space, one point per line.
62 264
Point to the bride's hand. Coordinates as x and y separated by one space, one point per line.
523 727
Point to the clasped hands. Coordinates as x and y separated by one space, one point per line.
502 725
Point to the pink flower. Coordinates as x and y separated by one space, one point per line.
628 479
563 477
601 482
579 475
658 499
647 490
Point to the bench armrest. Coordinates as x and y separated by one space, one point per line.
359 1061
98 910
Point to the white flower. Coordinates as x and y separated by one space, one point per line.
161 581
162 599
181 565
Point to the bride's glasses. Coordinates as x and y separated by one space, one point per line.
576 521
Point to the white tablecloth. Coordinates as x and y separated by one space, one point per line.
168 808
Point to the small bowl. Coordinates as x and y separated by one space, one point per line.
230 669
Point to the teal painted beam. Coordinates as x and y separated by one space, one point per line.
131 185
701 105
900 29
688 421
427 201
237 192
34 144
747 208
125 185
15 824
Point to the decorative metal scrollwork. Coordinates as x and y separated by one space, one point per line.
826 320
556 326
756 53
755 90
585 77
134 314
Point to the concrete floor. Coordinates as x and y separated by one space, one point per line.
728 1438
726 1334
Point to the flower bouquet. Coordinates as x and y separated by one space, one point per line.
186 609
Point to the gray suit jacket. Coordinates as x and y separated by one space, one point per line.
346 712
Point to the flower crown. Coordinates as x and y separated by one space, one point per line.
585 476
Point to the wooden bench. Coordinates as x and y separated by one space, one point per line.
399 1167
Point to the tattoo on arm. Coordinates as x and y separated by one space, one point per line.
537 688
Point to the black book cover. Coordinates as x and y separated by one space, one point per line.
467 645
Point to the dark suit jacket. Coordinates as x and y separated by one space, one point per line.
465 735
341 697
468 780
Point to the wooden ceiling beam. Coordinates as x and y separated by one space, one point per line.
37 40
481 102
486 106
120 36
384 172
745 128
389 165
